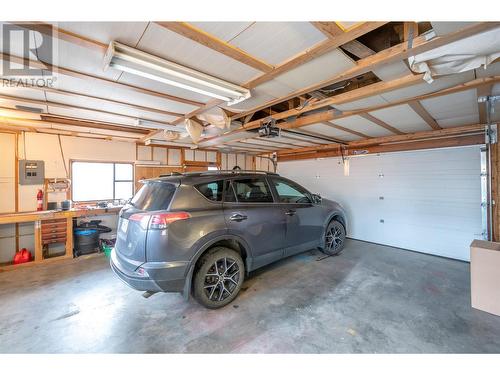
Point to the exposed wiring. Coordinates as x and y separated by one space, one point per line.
329 91
62 155
301 107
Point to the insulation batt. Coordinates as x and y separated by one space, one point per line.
460 56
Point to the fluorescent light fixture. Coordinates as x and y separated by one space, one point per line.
134 61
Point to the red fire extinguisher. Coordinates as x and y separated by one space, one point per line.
39 200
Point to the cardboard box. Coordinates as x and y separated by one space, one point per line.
485 276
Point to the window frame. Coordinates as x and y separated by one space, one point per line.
263 178
292 183
114 178
212 181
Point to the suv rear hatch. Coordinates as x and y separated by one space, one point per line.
132 227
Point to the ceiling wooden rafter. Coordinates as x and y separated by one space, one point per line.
349 96
68 106
303 57
473 129
333 114
455 141
344 129
130 105
96 79
332 30
398 52
212 42
298 118
44 125
422 112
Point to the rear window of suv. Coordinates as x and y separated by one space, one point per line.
154 196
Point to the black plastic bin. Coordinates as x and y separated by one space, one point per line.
86 241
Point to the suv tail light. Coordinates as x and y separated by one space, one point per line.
159 221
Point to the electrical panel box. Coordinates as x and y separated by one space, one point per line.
31 172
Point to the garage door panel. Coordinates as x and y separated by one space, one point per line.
427 201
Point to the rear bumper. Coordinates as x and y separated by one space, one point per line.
161 276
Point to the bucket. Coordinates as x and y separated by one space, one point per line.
86 241
107 250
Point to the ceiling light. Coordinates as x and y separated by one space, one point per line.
134 61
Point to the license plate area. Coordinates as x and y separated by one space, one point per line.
124 225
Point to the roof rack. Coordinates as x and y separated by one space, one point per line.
218 172
237 171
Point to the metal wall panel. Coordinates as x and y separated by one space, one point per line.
427 201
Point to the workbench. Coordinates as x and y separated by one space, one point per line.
52 226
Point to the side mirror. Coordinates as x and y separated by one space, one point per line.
316 198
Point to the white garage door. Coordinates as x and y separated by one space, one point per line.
427 201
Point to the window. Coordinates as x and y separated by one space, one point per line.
211 190
153 196
94 181
229 192
290 193
252 190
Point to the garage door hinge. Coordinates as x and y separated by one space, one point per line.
491 134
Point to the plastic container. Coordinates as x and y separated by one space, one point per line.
107 250
86 241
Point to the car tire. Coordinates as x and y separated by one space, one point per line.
218 277
334 240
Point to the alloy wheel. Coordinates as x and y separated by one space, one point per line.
221 279
334 239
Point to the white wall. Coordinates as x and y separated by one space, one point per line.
431 198
46 147
7 172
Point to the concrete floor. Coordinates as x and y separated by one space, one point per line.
370 299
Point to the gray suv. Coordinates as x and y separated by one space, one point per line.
202 233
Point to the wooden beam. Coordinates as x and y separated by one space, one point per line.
318 50
267 143
130 105
212 42
35 125
344 129
410 31
349 96
389 55
96 79
381 123
358 49
61 34
11 125
428 134
318 135
297 138
422 112
392 54
457 141
91 124
67 106
333 115
333 30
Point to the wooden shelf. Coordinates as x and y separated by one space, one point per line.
51 227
